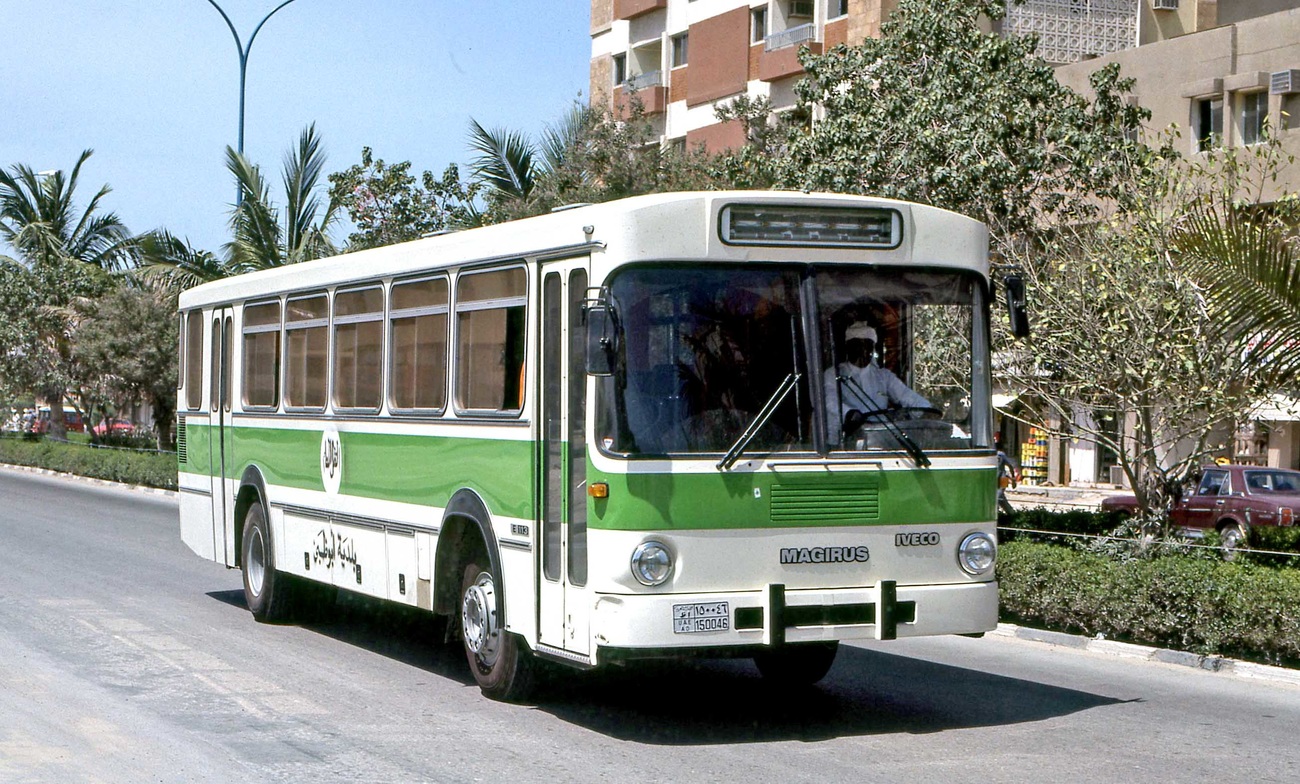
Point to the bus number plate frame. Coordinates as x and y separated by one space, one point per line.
701 617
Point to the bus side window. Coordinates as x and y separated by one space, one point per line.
306 330
194 360
490 332
359 348
261 380
418 340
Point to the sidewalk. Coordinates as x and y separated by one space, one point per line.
1060 498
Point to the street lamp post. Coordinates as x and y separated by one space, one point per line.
243 70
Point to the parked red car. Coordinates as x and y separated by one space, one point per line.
114 426
1230 499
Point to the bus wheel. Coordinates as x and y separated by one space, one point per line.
266 591
797 664
501 666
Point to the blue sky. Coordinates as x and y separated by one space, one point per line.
153 87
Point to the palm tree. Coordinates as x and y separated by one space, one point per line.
259 241
62 254
514 169
173 262
1245 259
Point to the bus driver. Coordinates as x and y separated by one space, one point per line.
868 387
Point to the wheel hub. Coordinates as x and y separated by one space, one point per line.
479 620
256 562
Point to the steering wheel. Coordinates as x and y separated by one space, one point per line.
855 420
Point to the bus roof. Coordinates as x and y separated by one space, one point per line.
666 226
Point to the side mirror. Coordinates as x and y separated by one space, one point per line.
601 341
1017 312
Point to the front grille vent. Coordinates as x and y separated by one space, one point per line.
858 502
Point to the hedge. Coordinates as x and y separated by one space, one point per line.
1017 526
151 469
1204 605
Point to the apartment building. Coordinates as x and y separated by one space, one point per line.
682 57
1223 72
1217 69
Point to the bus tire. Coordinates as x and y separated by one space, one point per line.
500 663
267 593
797 664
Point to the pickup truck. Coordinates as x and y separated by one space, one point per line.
1230 499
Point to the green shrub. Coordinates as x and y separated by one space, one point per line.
1074 521
1201 605
151 469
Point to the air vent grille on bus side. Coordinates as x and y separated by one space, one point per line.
182 454
795 503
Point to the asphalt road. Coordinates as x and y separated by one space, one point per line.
125 658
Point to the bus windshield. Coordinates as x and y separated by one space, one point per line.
878 359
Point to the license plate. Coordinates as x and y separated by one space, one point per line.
701 617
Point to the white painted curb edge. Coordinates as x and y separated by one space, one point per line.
1216 664
90 480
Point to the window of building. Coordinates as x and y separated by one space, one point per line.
359 348
262 355
1254 117
194 359
490 327
679 50
837 8
418 336
620 69
306 330
1207 119
758 25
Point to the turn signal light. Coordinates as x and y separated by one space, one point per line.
598 490
1286 515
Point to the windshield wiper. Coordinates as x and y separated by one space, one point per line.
765 413
917 453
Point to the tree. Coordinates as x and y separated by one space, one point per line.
510 167
129 336
1123 331
1243 253
62 253
939 111
387 205
259 241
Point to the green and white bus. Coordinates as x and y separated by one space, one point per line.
616 431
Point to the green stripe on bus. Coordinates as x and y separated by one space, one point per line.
640 502
428 470
413 469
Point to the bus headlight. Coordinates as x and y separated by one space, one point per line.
652 563
977 553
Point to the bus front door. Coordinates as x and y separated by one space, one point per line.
222 463
563 604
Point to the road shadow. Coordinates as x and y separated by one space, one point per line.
707 702
404 634
719 701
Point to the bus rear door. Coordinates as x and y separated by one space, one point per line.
222 460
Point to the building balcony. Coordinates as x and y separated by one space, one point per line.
780 55
630 9
648 87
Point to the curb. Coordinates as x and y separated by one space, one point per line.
1124 650
90 480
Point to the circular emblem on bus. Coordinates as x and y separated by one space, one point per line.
331 459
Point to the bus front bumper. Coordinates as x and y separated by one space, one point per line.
775 616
